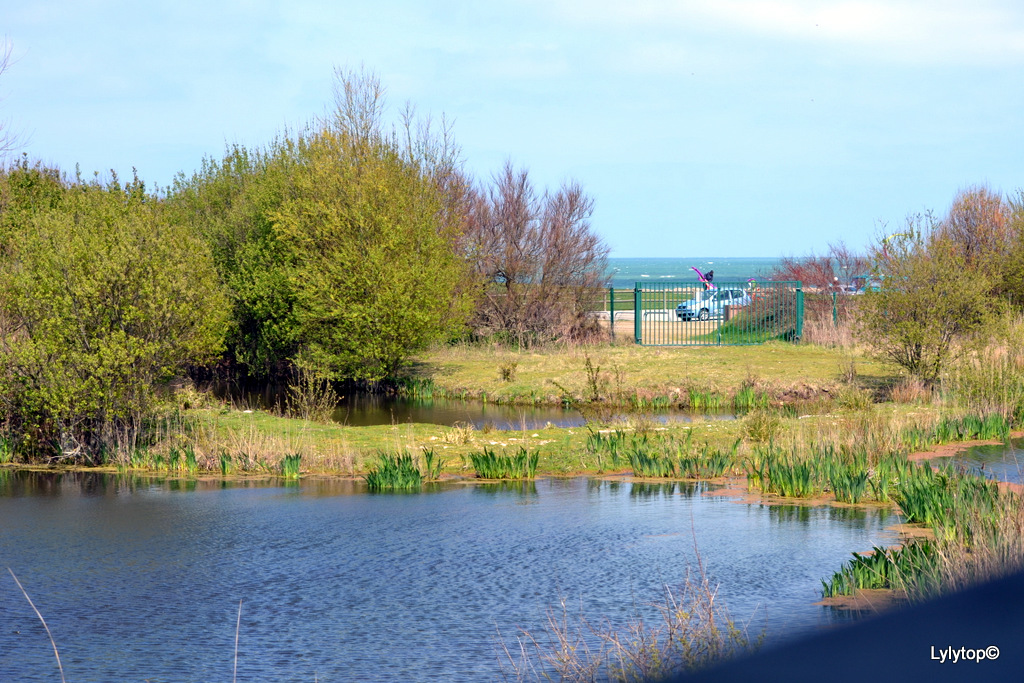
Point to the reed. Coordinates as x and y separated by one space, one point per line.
394 471
56 654
489 464
432 465
703 400
883 568
226 465
648 462
971 427
708 463
6 450
748 398
290 466
418 388
611 444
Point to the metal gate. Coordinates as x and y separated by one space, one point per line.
733 313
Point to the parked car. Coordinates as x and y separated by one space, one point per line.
711 303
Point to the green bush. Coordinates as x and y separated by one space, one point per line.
103 298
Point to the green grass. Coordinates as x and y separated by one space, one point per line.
630 371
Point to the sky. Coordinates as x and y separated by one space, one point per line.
699 127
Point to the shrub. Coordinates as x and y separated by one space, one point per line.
102 298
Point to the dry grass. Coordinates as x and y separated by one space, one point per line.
821 331
990 379
694 630
911 390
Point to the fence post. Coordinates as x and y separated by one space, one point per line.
637 313
799 310
611 310
835 315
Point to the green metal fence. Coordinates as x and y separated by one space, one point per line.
734 313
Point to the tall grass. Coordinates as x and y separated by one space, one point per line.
991 379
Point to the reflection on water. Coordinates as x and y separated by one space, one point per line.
1002 462
139 578
361 409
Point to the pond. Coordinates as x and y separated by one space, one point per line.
363 409
140 579
1002 462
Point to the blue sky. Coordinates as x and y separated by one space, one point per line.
704 127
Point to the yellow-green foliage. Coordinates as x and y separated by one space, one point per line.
375 274
103 297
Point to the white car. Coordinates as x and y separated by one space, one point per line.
711 303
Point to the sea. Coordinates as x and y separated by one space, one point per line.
626 272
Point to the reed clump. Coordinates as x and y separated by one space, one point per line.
291 466
490 464
394 471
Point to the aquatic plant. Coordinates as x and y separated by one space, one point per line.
394 471
607 443
708 463
747 398
434 464
173 458
703 400
226 465
884 568
970 427
648 462
849 483
489 464
191 464
290 465
417 388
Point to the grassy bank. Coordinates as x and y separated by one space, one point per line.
622 373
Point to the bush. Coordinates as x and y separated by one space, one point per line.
339 246
102 298
930 305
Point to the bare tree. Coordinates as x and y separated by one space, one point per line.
839 266
539 257
978 225
8 140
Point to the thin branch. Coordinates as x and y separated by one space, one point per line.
238 626
52 641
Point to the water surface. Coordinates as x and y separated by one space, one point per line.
1001 462
140 579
